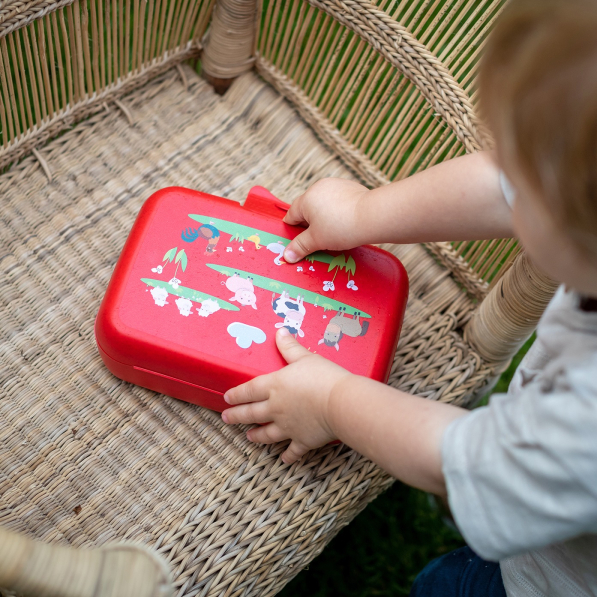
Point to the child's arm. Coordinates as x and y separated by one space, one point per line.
459 199
313 401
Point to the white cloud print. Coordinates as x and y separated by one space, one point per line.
246 334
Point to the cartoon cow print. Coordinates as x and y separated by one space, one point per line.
293 312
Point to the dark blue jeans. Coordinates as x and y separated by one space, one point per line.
460 573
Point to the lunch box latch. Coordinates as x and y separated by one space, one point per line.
260 200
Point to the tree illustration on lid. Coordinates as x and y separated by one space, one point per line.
339 262
169 256
350 267
179 258
336 264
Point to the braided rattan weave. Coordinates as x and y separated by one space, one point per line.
380 91
225 513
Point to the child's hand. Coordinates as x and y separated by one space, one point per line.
329 209
293 401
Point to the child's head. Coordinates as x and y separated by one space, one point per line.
539 95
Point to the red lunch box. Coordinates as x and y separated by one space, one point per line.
201 287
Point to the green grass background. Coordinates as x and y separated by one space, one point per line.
381 552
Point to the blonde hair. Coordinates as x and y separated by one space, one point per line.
538 88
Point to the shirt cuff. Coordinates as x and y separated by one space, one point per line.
464 496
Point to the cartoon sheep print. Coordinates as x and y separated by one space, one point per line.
293 312
244 292
208 307
184 306
159 296
340 326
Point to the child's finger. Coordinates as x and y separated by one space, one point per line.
294 452
301 246
267 434
253 412
289 348
252 391
294 216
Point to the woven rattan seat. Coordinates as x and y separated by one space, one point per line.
86 459
139 465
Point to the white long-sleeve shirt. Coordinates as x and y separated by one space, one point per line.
521 473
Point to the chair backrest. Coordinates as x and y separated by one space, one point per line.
62 60
394 79
405 118
389 86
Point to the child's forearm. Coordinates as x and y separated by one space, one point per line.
399 432
460 199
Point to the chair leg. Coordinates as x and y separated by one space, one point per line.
32 568
229 43
220 85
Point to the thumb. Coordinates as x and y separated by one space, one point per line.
300 247
289 348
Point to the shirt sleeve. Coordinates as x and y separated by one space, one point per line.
521 473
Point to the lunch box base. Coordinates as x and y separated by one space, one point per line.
165 384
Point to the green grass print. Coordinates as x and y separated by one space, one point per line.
190 293
318 300
240 233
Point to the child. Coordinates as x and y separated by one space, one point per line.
520 474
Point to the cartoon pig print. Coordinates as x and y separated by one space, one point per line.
159 296
244 292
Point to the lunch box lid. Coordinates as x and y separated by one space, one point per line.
201 287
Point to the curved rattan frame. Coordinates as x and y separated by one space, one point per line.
143 40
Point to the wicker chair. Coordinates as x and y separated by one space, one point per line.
99 108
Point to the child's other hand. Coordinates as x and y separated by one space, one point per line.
329 209
292 401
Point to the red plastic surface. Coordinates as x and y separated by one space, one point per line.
158 325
